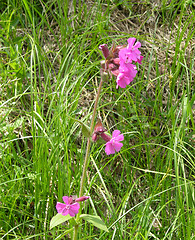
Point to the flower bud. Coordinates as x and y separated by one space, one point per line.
105 136
105 50
98 129
81 199
95 137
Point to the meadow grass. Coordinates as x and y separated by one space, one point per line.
49 75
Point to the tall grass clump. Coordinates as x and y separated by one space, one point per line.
50 65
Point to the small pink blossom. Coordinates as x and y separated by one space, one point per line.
132 51
126 75
70 207
124 56
123 80
114 144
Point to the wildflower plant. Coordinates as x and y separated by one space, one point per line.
119 62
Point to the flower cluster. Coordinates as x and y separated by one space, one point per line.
71 205
119 61
113 143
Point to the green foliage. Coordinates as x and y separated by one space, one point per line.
49 73
58 219
95 221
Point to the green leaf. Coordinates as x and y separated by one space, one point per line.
58 219
95 220
84 128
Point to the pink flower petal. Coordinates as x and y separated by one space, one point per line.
109 149
140 59
130 41
118 146
75 206
137 45
115 133
122 55
74 209
60 207
123 80
117 136
65 199
72 213
120 138
65 212
114 144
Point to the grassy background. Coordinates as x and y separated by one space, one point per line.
49 72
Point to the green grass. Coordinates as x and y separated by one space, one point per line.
49 74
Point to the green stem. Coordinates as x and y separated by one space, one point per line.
89 141
103 76
75 232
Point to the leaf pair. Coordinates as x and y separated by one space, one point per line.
94 220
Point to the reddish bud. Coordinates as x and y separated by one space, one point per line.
105 50
98 129
99 132
95 137
106 137
81 199
116 61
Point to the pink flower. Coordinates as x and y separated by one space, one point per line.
118 61
123 80
132 51
71 205
124 56
127 73
114 143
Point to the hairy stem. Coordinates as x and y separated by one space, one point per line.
103 76
89 141
75 232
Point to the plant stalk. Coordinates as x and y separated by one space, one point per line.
103 76
88 140
75 232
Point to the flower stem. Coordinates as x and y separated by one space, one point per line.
75 232
103 76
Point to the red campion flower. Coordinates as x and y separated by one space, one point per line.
118 61
71 205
